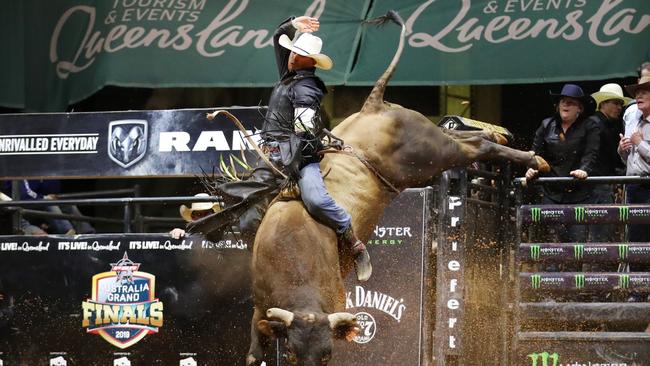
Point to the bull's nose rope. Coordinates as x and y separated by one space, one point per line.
348 150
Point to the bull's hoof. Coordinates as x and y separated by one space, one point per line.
252 361
542 165
500 139
362 266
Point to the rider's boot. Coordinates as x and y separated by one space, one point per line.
362 264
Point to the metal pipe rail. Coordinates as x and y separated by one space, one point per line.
37 213
111 192
127 202
610 312
522 182
111 201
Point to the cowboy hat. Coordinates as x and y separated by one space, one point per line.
644 83
186 213
575 92
609 92
307 44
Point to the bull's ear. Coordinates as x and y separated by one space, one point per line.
347 331
271 328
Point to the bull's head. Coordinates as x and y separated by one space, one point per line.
308 337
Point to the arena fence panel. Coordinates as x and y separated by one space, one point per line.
580 302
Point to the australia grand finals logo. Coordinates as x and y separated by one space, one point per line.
123 308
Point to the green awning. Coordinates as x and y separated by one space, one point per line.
59 52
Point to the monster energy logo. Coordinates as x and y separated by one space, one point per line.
578 251
536 214
536 281
534 252
544 357
580 281
623 249
624 281
580 214
623 213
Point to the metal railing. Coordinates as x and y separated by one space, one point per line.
542 308
131 208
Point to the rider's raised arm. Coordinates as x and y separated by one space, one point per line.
281 53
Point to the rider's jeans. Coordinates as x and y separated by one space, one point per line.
318 202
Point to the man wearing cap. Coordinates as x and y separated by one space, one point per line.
634 148
292 123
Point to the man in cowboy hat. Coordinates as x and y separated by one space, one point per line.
196 211
609 106
634 148
292 125
632 114
569 142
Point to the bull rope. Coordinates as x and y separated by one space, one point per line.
237 122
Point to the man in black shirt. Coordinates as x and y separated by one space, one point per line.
610 101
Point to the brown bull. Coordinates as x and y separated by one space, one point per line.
298 266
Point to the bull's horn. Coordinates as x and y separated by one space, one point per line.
284 315
337 318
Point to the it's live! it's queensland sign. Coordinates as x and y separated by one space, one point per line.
123 144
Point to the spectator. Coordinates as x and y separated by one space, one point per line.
569 142
48 190
632 114
634 148
26 228
609 103
196 211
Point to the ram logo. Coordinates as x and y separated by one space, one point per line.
127 141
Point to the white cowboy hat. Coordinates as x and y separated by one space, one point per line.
186 213
609 92
308 45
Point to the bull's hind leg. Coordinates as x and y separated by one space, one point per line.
488 135
480 149
259 343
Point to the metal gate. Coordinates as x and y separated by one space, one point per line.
572 301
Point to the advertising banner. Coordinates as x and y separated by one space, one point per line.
123 299
147 299
63 51
545 282
507 41
585 253
588 214
545 352
394 306
160 143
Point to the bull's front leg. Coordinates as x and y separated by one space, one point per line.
259 343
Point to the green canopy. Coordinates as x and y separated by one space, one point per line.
59 52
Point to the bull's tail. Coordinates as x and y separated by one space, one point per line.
375 101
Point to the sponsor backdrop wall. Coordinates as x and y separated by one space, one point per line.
63 51
118 144
145 299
